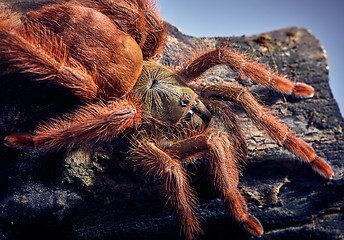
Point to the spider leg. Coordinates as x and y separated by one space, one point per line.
37 52
225 117
90 124
270 124
258 72
226 120
224 170
155 162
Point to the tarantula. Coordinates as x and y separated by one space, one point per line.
102 51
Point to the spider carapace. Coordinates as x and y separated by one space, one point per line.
103 52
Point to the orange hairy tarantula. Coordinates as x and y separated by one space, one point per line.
102 51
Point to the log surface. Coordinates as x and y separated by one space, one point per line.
92 192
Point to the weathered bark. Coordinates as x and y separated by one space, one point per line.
92 192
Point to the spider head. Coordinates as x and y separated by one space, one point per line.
165 97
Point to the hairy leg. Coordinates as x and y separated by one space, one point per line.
258 72
227 120
155 162
224 170
270 124
37 52
90 124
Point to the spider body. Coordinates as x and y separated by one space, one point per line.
97 43
101 51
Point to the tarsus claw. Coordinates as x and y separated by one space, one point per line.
253 226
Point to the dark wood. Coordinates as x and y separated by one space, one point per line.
93 192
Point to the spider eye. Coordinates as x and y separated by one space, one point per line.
185 99
184 102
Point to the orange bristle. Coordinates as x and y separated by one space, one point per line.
303 90
253 226
322 167
19 140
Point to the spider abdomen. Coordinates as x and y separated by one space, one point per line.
96 42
